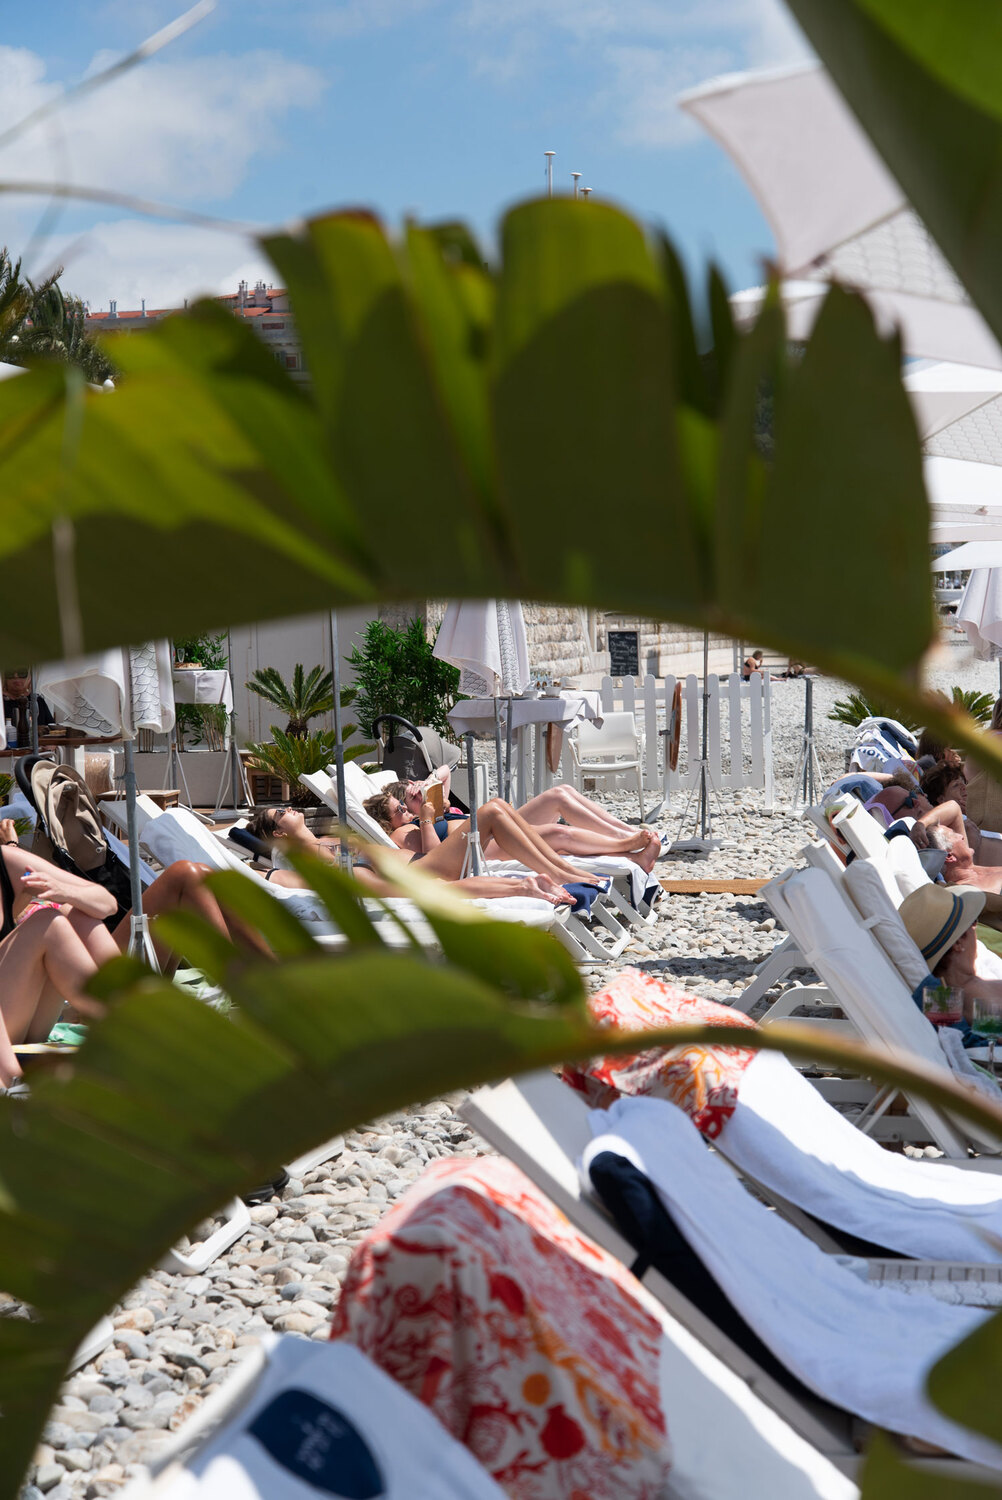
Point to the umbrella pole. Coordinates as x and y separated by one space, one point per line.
703 842
473 863
497 746
140 941
238 776
507 754
33 712
344 851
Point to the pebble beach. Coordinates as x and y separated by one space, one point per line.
177 1337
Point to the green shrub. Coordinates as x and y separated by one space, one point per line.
309 695
202 723
396 673
857 707
288 756
978 705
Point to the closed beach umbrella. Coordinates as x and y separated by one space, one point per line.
836 212
118 692
486 640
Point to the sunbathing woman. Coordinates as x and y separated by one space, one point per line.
495 820
287 825
54 935
901 798
586 829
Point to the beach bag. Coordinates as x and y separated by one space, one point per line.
69 832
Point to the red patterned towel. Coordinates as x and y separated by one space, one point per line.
703 1081
525 1339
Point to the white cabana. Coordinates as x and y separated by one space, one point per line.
836 212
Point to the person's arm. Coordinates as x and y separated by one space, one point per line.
39 880
946 815
426 824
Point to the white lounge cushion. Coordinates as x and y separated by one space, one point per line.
869 895
863 1347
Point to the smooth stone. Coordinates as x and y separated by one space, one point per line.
136 1345
295 1323
75 1459
47 1476
139 1318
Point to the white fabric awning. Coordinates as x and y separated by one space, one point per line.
115 692
485 639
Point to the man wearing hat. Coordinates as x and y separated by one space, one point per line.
941 921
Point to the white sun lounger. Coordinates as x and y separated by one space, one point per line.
576 933
863 1347
543 1127
866 985
298 1417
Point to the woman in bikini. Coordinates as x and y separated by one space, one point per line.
54 935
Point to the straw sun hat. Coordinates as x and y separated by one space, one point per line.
937 915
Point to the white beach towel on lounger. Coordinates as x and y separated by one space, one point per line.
786 1136
861 1347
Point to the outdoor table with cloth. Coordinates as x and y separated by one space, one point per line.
558 712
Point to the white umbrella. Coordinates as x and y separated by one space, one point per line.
486 640
979 612
118 692
836 212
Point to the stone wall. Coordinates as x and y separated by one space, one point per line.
570 644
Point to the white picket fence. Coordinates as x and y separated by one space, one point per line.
740 756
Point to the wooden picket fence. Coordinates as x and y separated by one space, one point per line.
740 755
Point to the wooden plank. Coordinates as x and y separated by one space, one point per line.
723 887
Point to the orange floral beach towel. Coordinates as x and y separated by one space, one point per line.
526 1340
704 1081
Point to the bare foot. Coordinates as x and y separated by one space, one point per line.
647 856
550 891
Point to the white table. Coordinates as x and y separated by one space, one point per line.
564 709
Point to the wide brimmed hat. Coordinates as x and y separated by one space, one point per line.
937 915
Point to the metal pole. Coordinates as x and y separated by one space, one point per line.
497 746
507 755
577 179
810 790
549 172
140 942
342 798
704 798
33 713
472 864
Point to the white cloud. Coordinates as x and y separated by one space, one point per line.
645 83
184 130
132 259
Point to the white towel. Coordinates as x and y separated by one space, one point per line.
856 1345
786 1136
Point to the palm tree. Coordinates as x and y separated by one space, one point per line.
57 329
309 695
38 321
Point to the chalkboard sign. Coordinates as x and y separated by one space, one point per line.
624 653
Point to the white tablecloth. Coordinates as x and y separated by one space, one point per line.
200 685
565 708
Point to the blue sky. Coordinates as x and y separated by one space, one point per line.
268 111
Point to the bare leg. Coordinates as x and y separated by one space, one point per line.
566 802
182 884
42 963
641 845
518 840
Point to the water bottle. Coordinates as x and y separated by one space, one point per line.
11 733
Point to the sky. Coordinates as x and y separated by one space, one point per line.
271 110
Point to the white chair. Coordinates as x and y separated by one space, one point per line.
613 748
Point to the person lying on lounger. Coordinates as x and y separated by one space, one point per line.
960 869
586 828
903 799
287 825
942 924
54 936
496 821
946 783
